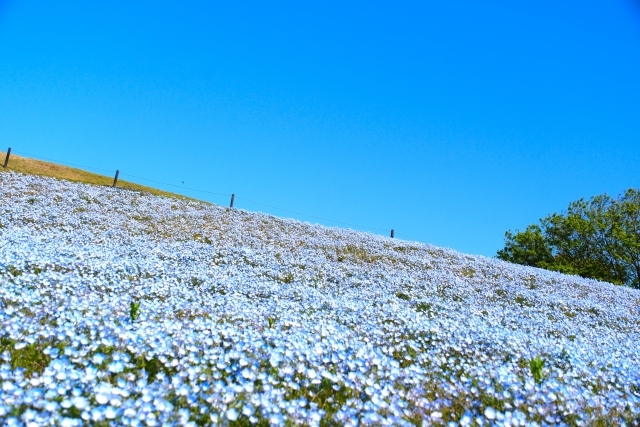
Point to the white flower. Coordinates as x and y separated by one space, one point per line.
80 402
490 413
110 413
102 398
67 422
232 414
116 367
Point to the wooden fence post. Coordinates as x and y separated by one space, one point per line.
6 159
233 196
115 180
392 233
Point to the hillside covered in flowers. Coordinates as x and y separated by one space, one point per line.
124 308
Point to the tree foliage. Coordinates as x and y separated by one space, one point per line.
597 238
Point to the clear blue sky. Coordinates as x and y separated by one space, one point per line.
450 121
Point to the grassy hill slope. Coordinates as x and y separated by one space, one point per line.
41 168
119 306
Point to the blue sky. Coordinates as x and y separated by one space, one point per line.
450 122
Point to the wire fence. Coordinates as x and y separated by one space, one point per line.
233 196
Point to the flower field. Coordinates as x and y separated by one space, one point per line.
124 308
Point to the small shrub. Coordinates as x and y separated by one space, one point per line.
593 311
536 365
423 306
355 254
200 238
531 283
403 296
271 321
286 278
152 366
196 281
522 301
134 310
30 357
468 272
15 272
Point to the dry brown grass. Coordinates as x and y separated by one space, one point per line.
38 167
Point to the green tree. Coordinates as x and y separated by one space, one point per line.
597 238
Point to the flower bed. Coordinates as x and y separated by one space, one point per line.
125 308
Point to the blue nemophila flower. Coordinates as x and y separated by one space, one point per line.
250 318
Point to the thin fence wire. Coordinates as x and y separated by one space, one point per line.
22 153
311 216
174 185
